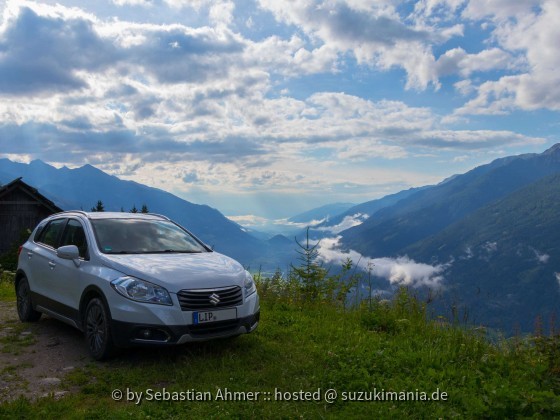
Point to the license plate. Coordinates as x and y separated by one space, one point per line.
214 316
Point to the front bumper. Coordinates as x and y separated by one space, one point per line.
127 334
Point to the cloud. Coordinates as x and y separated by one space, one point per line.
529 29
40 53
50 142
249 220
346 223
398 271
458 61
472 139
498 9
144 3
190 177
168 82
43 49
373 32
541 258
301 225
490 247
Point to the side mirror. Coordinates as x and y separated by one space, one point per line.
69 252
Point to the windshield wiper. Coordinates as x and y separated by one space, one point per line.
173 251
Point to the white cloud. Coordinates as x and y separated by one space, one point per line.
464 87
346 223
534 35
541 257
373 32
221 13
399 271
458 61
498 9
145 3
490 247
249 220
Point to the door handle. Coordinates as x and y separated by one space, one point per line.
52 264
30 254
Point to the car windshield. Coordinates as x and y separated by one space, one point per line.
143 236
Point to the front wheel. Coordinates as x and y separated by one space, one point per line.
98 330
25 309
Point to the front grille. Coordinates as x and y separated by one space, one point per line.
197 299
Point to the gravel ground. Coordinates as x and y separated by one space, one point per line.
35 357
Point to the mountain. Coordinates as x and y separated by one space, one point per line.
428 211
281 240
320 213
364 210
81 188
504 258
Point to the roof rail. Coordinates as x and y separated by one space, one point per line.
74 211
160 215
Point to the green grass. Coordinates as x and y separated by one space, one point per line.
318 346
7 292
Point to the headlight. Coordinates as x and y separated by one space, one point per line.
141 291
250 287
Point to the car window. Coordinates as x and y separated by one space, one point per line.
74 234
134 236
40 229
51 233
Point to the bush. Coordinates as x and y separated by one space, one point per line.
9 260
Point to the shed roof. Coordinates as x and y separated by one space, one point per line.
32 192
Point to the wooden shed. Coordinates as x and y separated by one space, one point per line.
21 207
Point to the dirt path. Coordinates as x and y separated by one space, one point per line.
35 357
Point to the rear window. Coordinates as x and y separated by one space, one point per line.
51 233
135 236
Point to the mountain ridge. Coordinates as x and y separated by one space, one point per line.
430 210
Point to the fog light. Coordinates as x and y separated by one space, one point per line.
146 334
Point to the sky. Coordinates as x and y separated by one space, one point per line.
267 108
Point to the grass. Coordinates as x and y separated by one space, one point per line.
306 346
7 292
17 339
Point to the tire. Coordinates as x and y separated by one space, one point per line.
97 330
25 309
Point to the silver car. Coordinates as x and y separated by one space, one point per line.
126 279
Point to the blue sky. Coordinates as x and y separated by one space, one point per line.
267 108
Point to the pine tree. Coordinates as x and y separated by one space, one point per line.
98 207
144 209
134 209
309 272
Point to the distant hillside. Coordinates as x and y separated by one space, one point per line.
368 208
428 211
281 240
81 188
504 258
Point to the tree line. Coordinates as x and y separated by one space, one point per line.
100 207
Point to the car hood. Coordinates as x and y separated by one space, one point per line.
180 271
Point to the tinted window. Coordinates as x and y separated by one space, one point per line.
133 236
74 234
39 231
49 236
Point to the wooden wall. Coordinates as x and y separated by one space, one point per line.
18 210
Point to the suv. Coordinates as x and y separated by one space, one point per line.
126 279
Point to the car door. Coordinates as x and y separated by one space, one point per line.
42 255
68 280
